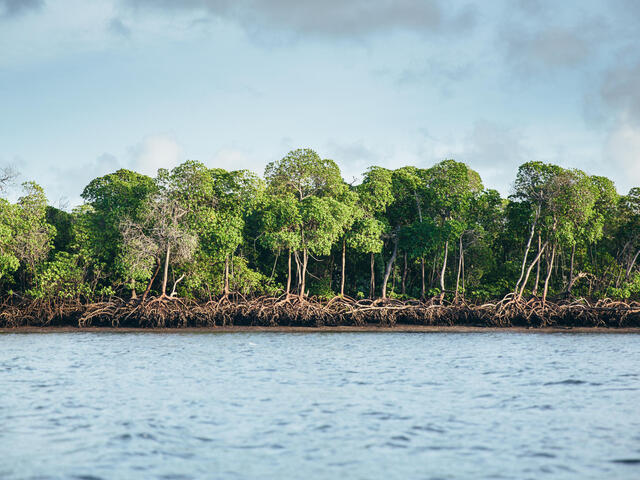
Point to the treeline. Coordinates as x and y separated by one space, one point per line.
201 233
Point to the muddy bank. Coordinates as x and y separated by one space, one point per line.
236 311
325 329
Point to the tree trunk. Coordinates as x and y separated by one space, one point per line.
150 284
344 254
549 270
570 284
630 267
404 275
289 274
444 269
463 286
459 267
424 290
372 283
303 275
275 264
394 276
526 251
535 286
387 271
620 256
296 257
175 284
536 261
433 270
226 276
165 274
133 289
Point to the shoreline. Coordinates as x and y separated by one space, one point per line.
321 329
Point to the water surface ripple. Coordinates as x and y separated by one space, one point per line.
319 405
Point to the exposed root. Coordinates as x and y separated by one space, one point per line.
169 311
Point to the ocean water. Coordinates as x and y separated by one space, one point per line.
319 405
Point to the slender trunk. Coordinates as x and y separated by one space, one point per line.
165 274
620 256
372 283
526 251
573 254
387 271
549 270
463 287
133 289
149 285
433 270
289 274
536 261
175 284
330 271
275 264
344 254
404 275
535 286
226 276
303 275
459 267
444 268
424 290
394 276
630 267
296 257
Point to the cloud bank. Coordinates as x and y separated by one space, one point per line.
329 18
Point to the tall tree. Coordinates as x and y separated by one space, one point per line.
316 187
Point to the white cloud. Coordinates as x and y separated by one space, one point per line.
232 159
154 152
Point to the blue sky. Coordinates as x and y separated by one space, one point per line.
89 87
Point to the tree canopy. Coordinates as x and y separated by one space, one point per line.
199 231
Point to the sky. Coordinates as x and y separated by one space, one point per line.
90 87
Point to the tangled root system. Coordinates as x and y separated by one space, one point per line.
167 312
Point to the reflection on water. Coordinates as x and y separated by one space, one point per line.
320 405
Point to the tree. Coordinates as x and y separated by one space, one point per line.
7 176
159 237
217 203
32 235
315 187
115 197
533 188
630 230
450 189
374 196
279 222
9 262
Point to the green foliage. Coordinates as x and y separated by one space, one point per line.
62 278
113 198
322 289
9 261
196 229
628 290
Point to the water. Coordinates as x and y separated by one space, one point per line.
319 405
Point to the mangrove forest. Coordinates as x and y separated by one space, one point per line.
200 246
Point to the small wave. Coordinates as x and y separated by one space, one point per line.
395 445
569 381
627 461
428 428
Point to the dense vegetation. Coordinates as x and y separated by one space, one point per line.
437 233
